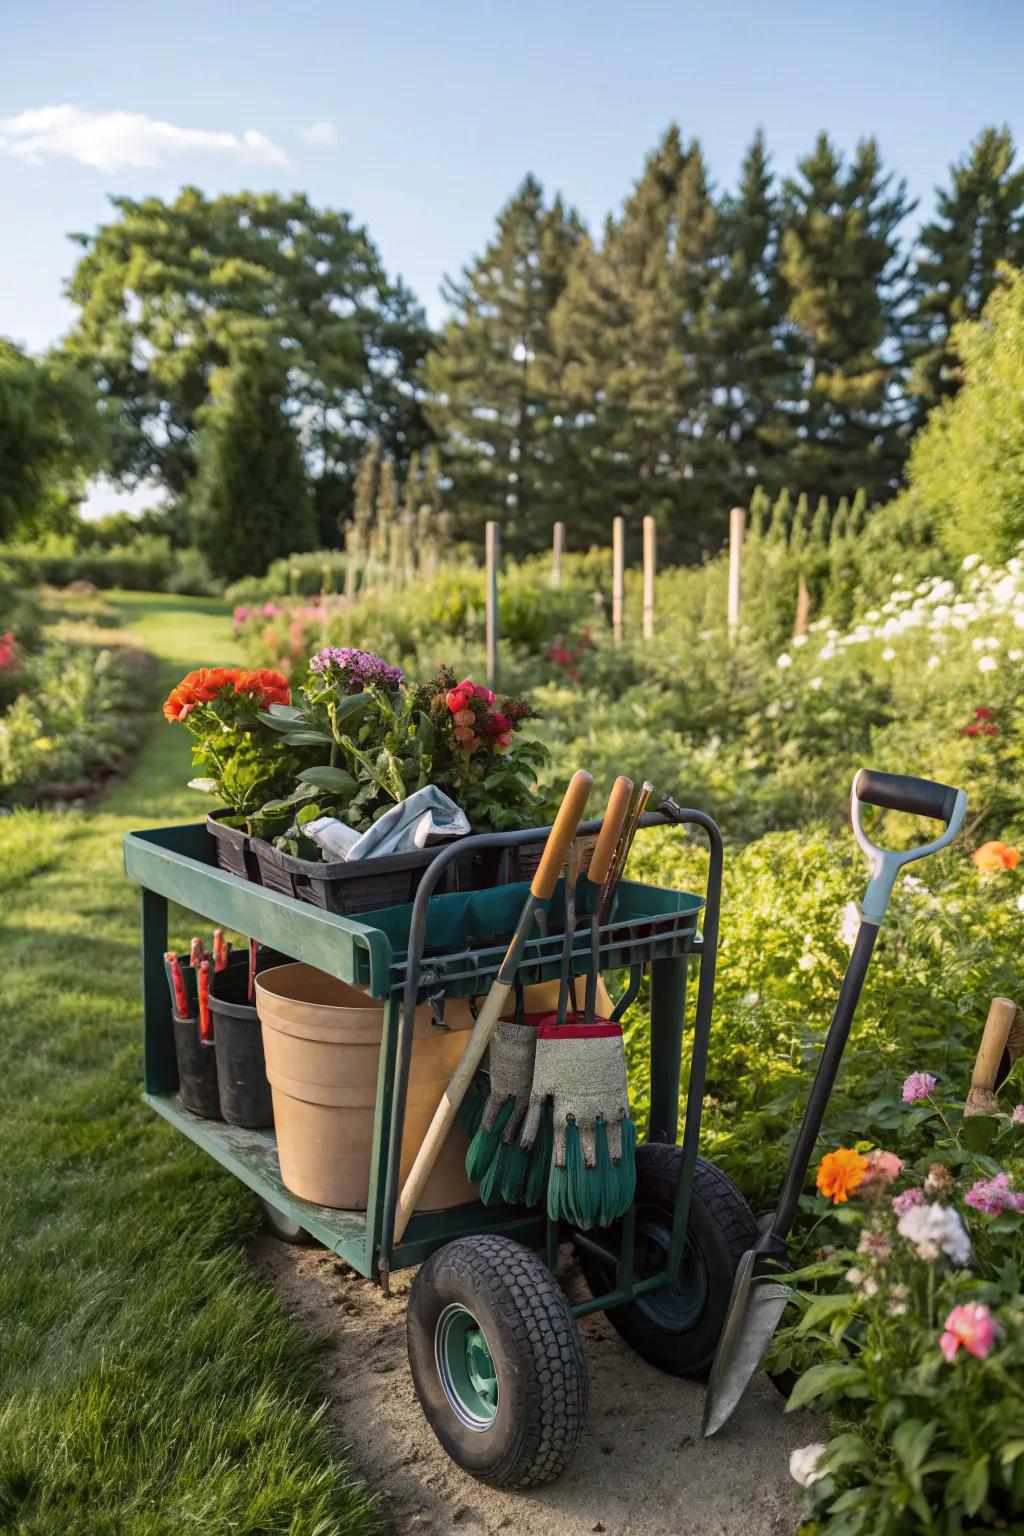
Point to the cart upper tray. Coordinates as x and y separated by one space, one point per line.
466 936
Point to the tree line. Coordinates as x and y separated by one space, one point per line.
249 351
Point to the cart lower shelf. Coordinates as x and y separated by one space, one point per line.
251 1155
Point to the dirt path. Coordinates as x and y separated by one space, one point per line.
642 1469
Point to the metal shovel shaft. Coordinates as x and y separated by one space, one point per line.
758 1302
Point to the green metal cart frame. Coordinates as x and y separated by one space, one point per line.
650 929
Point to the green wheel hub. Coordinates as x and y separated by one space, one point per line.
465 1367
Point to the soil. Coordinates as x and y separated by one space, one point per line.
642 1468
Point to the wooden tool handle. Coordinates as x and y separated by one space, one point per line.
611 828
561 835
981 1099
444 1115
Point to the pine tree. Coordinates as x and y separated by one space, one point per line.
978 223
632 332
756 363
489 380
250 502
846 274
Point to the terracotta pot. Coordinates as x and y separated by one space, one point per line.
321 1039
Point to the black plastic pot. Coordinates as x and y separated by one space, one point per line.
238 1041
392 881
234 848
197 1069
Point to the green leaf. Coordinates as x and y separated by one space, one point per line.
826 1307
911 1440
976 1485
1011 1450
843 1451
308 738
821 1379
336 780
978 1132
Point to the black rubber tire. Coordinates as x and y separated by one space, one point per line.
284 1228
678 1330
535 1347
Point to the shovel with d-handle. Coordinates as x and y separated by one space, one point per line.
758 1300
544 881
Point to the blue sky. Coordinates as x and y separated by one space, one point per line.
438 108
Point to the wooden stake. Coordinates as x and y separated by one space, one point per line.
557 550
618 575
493 554
737 518
982 1100
650 557
803 606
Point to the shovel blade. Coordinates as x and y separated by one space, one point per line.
755 1308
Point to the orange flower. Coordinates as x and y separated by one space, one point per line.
840 1172
996 856
271 687
208 683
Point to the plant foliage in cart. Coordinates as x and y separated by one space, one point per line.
383 737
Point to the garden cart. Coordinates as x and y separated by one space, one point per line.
494 1349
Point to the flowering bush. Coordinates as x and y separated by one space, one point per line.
240 759
71 722
911 1330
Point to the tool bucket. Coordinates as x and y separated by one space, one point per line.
197 1069
322 1040
238 1041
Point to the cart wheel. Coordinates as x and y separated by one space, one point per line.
677 1329
284 1227
496 1361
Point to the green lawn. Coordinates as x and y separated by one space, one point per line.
147 1383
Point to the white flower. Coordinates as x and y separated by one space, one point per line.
850 925
806 962
987 664
854 1276
784 660
899 1300
1014 655
751 999
827 652
814 682
803 1464
869 1285
888 654
970 561
799 639
935 1229
933 661
1020 903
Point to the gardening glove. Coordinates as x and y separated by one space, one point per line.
510 1064
582 1067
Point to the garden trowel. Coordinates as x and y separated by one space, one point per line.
759 1292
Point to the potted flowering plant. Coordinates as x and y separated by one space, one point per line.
238 758
911 1331
384 738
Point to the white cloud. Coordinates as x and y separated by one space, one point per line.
114 141
320 133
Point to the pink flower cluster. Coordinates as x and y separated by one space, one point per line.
993 1196
918 1086
971 1325
9 659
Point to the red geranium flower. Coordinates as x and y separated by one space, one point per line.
971 730
497 724
983 714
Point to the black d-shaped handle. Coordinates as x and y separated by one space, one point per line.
900 792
